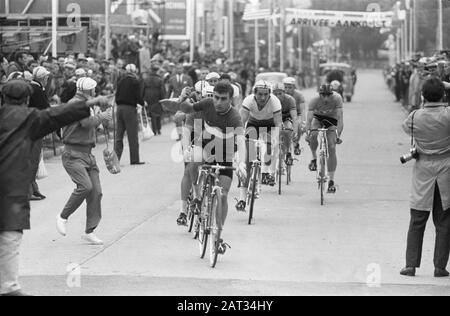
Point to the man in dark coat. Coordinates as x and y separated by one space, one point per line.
154 91
20 128
128 97
177 83
38 100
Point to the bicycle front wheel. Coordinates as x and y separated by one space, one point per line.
252 191
204 227
322 179
216 211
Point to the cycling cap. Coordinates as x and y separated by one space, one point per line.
212 75
80 72
262 84
325 89
86 84
40 72
289 81
279 87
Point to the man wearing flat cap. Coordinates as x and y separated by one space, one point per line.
20 128
81 165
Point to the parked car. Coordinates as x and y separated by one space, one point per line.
344 73
272 77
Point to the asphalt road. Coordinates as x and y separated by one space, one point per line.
354 245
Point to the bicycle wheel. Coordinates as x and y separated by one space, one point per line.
322 179
216 208
288 174
280 172
252 192
205 226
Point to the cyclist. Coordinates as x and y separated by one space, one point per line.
192 153
222 123
290 85
326 110
261 113
290 122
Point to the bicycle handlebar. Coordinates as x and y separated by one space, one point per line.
217 167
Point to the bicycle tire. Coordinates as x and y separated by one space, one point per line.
322 174
254 184
280 173
216 205
205 224
190 219
288 174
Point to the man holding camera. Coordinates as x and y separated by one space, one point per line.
429 128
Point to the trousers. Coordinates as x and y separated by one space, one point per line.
10 242
127 121
83 170
416 233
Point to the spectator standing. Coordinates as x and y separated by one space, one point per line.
154 91
176 85
128 97
430 128
21 128
38 100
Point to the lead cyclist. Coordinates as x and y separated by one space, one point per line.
326 110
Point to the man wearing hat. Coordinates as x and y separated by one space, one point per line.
128 97
21 127
154 92
38 100
81 165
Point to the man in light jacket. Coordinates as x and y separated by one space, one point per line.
430 128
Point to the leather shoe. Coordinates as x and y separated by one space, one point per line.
138 163
441 273
408 272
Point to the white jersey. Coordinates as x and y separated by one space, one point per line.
266 114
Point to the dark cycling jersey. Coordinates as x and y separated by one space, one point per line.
287 105
220 129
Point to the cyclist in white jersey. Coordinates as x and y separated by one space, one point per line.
261 114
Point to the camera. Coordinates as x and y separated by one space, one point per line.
413 154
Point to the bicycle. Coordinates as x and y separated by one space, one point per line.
210 218
254 185
322 161
284 158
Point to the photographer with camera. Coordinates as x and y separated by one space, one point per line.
429 129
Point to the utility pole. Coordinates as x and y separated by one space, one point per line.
270 35
300 47
55 11
257 55
282 36
193 29
107 29
231 26
440 33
